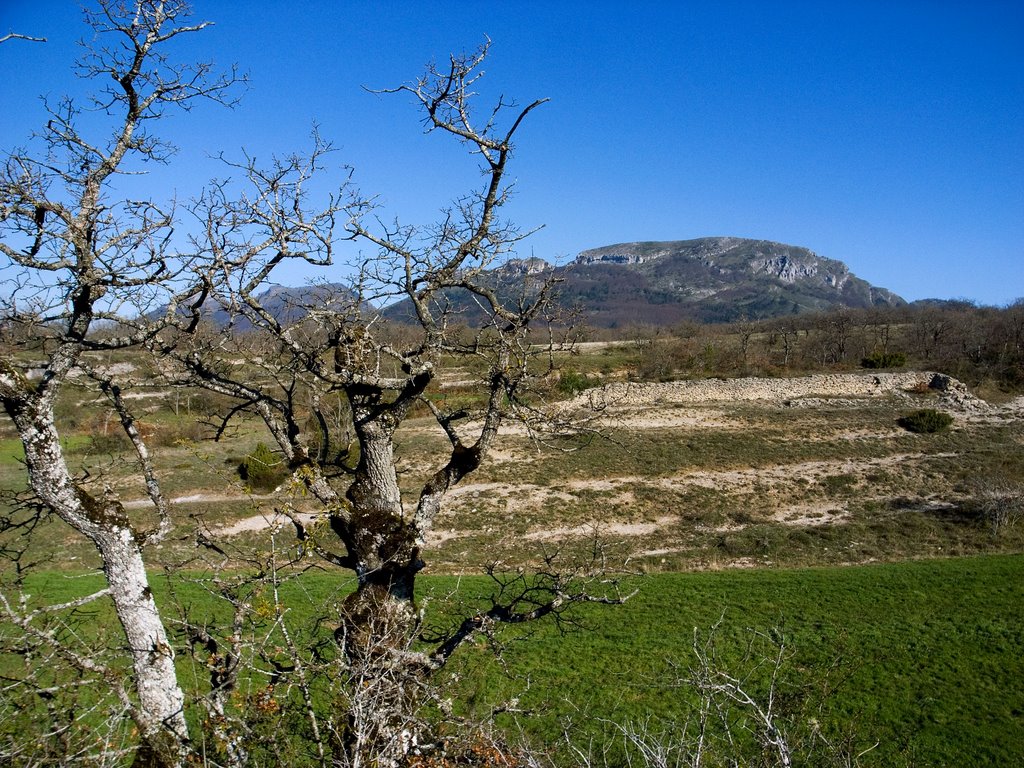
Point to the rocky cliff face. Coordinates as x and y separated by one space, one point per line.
728 254
715 278
531 266
789 270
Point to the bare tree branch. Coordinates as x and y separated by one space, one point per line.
16 36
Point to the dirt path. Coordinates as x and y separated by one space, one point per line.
196 498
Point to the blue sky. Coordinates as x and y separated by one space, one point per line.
889 135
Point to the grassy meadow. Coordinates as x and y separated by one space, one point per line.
913 664
921 658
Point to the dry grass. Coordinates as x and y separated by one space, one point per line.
674 486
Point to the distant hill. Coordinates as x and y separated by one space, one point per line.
287 305
712 279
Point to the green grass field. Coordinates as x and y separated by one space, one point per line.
922 658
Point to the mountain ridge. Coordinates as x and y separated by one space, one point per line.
708 280
711 279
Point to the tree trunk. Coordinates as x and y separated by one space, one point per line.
379 619
380 541
161 700
160 712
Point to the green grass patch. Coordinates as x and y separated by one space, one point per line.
11 452
921 657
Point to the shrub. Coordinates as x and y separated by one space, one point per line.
663 358
998 504
261 469
572 382
926 420
174 433
880 359
113 441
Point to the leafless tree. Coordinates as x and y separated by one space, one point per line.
75 252
344 348
786 334
834 333
745 330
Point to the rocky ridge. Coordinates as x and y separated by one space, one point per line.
952 394
711 279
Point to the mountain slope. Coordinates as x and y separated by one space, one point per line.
286 304
712 279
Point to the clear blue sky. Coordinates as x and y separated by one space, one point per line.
889 135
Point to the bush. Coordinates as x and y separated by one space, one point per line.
662 359
572 382
884 360
261 469
113 442
926 420
175 433
997 503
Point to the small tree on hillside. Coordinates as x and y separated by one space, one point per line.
785 335
75 252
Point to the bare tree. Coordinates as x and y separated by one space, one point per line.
835 333
75 252
786 334
344 348
332 382
745 329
